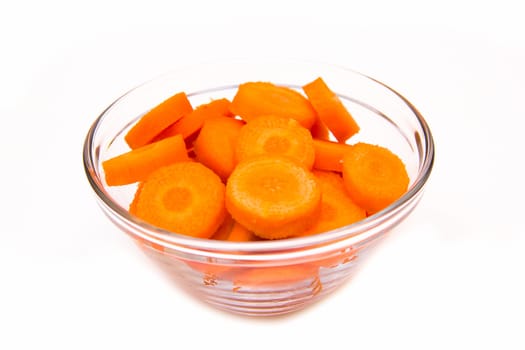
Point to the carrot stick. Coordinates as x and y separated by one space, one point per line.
137 164
337 208
215 145
331 110
185 198
374 176
273 196
329 155
254 99
193 121
273 135
157 119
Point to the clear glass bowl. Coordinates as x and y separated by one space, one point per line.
263 277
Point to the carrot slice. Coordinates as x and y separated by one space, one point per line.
137 164
254 99
133 205
331 110
337 208
193 121
224 230
215 145
158 119
232 231
274 135
329 155
273 196
374 176
319 130
276 275
185 198
239 233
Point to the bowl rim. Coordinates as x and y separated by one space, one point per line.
350 234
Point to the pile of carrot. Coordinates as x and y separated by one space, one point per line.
272 163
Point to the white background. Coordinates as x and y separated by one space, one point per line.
451 276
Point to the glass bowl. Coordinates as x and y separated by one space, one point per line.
263 277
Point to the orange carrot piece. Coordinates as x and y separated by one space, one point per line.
254 99
271 276
273 196
224 230
215 145
239 233
374 176
273 135
158 119
185 198
190 144
329 155
193 121
319 130
133 205
331 110
337 208
231 230
137 164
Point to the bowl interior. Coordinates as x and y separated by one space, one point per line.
385 117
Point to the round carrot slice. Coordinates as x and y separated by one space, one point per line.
331 110
224 230
337 208
273 196
240 233
254 99
273 135
374 176
185 198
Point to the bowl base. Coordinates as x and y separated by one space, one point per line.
256 292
